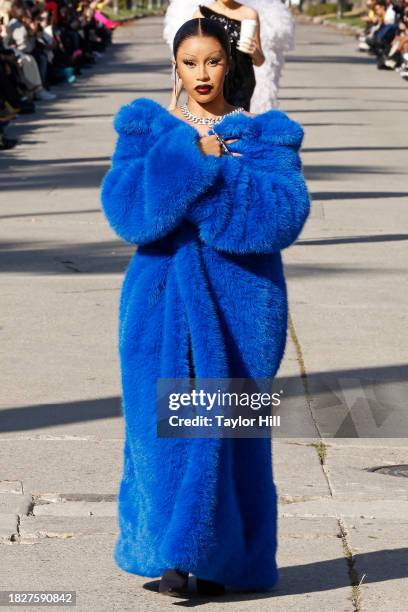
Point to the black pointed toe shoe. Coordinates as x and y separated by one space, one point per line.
174 583
208 587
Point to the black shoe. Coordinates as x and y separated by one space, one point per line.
208 587
174 583
7 143
25 106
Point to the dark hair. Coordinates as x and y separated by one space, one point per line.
18 11
200 26
35 12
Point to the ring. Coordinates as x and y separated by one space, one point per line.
223 145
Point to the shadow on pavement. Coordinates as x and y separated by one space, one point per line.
379 566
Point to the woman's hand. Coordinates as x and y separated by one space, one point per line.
210 145
253 48
248 46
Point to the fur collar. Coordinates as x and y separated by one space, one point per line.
146 116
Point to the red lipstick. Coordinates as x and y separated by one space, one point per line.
203 89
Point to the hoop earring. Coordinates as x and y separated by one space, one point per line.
175 77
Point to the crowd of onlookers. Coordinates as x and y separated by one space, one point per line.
43 43
386 34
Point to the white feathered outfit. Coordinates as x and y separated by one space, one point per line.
277 36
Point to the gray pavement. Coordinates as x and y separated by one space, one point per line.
343 529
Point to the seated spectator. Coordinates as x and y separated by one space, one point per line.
372 23
44 44
381 35
23 43
386 34
398 53
13 96
39 52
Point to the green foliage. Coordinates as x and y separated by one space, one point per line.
138 9
327 8
352 20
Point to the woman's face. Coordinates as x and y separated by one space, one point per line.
201 63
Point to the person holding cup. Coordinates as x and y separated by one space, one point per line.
243 27
262 61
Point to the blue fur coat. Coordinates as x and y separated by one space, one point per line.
207 276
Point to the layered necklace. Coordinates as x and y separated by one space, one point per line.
207 120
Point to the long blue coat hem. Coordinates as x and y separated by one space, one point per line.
204 292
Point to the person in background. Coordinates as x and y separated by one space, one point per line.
274 37
33 24
41 45
22 42
13 98
386 34
240 81
372 23
397 57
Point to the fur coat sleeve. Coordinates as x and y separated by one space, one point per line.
255 202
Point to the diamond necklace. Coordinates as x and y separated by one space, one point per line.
207 120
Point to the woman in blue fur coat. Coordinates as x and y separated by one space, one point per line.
203 296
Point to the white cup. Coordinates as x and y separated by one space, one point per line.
248 31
